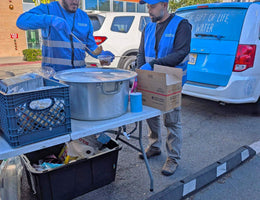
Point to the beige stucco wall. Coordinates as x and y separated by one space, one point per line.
8 19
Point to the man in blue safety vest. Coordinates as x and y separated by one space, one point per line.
165 41
59 21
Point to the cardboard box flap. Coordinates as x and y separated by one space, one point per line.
160 88
154 78
173 75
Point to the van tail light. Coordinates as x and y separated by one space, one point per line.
100 39
244 58
202 6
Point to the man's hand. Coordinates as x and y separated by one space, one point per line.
60 24
108 53
146 66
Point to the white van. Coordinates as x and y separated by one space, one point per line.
224 63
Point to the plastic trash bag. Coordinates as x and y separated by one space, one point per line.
11 179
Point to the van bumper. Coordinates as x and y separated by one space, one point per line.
239 90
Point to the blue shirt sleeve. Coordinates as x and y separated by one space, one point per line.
36 18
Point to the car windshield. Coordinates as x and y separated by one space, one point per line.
143 21
225 23
96 21
122 24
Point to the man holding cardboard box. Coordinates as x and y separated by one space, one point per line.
165 41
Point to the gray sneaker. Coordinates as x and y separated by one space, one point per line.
169 167
150 152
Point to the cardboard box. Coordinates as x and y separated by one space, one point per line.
160 88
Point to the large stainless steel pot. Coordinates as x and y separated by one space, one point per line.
97 93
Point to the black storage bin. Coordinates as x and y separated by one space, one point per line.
73 179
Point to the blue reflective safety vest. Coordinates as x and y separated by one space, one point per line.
165 45
59 51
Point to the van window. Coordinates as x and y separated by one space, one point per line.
225 23
122 24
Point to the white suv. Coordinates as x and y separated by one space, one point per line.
120 33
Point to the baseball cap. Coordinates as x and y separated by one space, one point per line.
151 2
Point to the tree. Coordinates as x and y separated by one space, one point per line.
174 4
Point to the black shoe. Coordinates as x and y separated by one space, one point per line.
150 152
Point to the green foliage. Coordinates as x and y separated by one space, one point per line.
174 4
32 54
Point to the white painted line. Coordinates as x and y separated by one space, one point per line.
189 187
256 146
244 155
221 169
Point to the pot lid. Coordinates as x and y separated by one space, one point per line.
94 75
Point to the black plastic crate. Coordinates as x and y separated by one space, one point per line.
21 123
74 179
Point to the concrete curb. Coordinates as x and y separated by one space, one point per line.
20 63
197 181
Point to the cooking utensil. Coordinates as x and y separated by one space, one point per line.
97 93
97 51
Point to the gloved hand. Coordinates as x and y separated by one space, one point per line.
146 66
134 85
60 24
108 53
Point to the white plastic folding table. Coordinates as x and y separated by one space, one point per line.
85 128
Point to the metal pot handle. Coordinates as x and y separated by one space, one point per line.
116 90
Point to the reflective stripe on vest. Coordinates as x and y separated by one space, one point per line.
62 44
62 61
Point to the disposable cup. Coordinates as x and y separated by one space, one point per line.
104 59
136 102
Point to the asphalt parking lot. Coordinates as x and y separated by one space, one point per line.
211 132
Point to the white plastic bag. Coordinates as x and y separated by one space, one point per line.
11 179
79 149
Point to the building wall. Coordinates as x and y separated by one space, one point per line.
8 19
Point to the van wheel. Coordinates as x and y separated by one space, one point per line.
128 63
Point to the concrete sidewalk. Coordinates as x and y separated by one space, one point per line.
18 60
9 60
10 66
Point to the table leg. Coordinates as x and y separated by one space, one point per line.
145 158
